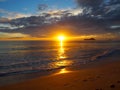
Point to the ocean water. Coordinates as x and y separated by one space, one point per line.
24 57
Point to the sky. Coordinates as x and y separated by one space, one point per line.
43 19
31 6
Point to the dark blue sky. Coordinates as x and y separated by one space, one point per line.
30 6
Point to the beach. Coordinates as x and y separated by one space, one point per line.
103 74
59 44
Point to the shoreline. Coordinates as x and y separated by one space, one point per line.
99 75
18 78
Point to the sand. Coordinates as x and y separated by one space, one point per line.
101 75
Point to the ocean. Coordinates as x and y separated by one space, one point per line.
21 60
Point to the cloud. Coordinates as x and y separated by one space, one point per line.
69 20
63 12
115 27
90 3
13 15
91 18
12 35
2 20
9 26
102 8
112 11
18 15
42 7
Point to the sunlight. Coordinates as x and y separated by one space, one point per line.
61 50
61 38
61 56
63 71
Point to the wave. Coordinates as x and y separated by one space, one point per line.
106 53
25 67
29 71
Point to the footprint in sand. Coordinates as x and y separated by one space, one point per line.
91 78
66 84
85 80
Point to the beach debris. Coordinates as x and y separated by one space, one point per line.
118 81
66 84
98 77
85 80
112 86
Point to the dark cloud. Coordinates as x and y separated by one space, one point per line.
90 3
101 8
114 1
42 7
3 20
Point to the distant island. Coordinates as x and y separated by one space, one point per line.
90 39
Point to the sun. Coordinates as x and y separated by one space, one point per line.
61 38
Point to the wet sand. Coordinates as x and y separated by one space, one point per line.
101 75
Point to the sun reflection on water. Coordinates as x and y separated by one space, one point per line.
61 51
62 62
63 71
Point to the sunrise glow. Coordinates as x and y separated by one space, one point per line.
61 38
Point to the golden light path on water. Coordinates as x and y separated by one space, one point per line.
62 56
61 50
